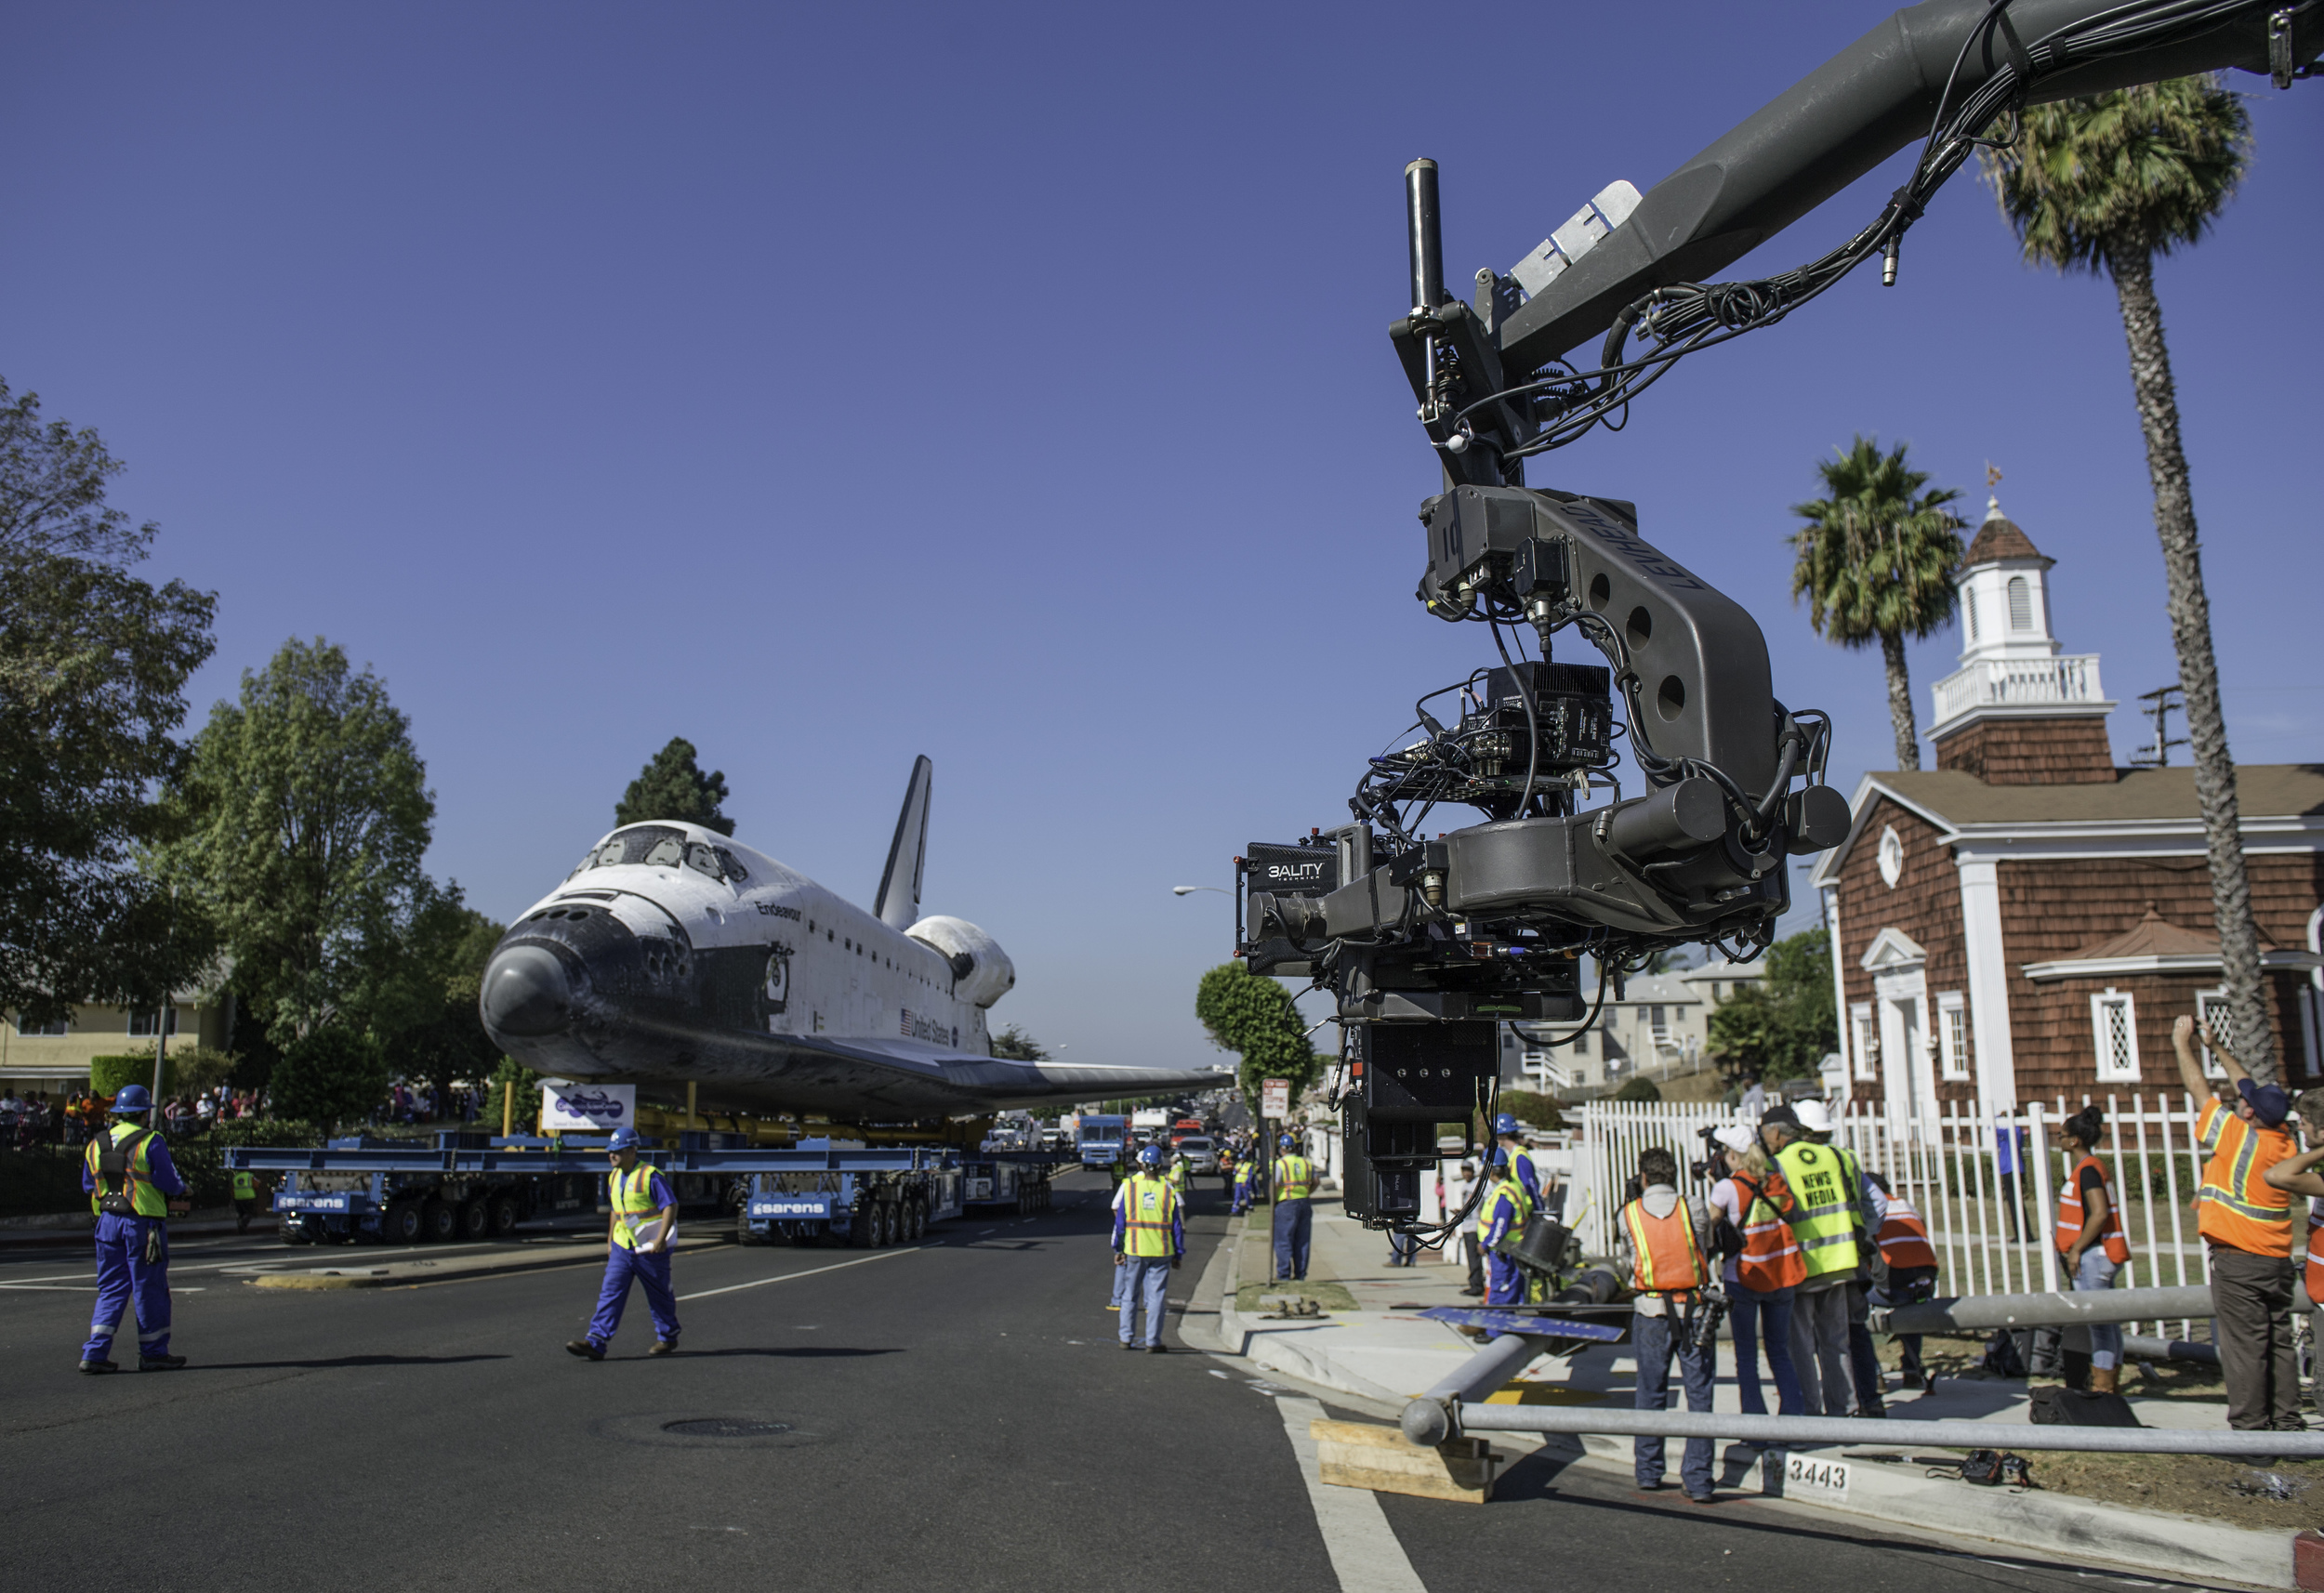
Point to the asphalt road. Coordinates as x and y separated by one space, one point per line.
957 1414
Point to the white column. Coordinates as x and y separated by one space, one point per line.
1989 979
1840 993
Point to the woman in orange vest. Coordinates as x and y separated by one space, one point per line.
2245 1220
1763 1278
1911 1261
2088 1237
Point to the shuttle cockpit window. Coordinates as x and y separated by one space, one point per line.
667 852
655 844
702 860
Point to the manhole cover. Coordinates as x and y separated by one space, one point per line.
725 1427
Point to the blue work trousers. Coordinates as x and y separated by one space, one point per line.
1145 1280
125 1277
653 1271
1504 1281
1750 1313
1294 1226
1653 1340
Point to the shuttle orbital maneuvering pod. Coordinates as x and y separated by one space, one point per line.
673 956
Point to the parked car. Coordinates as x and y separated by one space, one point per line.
1200 1152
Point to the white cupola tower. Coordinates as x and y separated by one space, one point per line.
2004 585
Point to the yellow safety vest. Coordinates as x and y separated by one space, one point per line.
1149 1216
1295 1176
1521 1196
634 1208
1178 1177
1823 1218
246 1186
137 1180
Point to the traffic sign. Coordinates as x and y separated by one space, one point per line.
1274 1099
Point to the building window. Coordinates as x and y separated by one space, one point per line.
1866 1037
2212 1017
1952 1034
55 1029
1892 857
1969 607
1581 1044
141 1025
2114 1031
2020 604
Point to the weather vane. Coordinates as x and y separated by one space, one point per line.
1992 475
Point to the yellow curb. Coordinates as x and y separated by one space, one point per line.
324 1281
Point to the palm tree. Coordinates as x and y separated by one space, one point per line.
2107 183
1875 561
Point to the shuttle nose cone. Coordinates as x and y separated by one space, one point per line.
526 993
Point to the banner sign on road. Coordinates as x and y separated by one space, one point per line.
587 1108
1274 1098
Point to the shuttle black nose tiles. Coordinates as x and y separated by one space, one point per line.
526 993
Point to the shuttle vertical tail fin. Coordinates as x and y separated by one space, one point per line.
899 902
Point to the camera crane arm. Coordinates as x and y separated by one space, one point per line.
1912 76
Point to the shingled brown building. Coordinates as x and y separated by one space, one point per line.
2026 920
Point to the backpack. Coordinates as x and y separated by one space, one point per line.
2071 1407
2007 1350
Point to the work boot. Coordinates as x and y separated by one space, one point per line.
589 1350
98 1368
1474 1294
664 1347
1127 1345
2104 1379
1157 1350
160 1362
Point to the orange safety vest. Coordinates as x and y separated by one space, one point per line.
2072 1216
1666 1259
1904 1238
2314 1268
2235 1206
1771 1258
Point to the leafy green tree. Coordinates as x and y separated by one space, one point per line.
302 816
1017 1046
442 974
1875 561
93 669
1253 1016
1783 1025
1525 1106
2106 184
672 786
512 1078
335 1077
1639 1089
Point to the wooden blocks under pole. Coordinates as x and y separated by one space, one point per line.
1360 1455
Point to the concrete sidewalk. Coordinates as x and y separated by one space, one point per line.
1383 1354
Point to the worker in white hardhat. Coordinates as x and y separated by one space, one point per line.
1870 1209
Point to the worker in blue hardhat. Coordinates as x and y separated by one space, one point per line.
1502 1217
1295 1222
1149 1241
134 1189
1508 1135
645 1214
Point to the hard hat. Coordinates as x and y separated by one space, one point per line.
1151 1156
624 1138
1505 1124
1287 1143
1814 1115
1500 1156
132 1099
1736 1137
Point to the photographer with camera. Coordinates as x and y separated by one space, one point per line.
1764 1274
1663 1253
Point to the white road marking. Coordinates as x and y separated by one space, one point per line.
1365 1555
787 1277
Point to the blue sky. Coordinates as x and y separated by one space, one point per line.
830 385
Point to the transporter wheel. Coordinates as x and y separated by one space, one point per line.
743 1235
863 1227
439 1223
915 1222
475 1220
402 1224
500 1213
1041 1193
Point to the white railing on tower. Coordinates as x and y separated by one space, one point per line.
2015 682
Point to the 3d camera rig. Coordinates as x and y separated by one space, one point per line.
1428 945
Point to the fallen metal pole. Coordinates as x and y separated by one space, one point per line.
2169 1348
1824 1431
1487 1370
1982 1314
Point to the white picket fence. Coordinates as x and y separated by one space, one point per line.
1992 1231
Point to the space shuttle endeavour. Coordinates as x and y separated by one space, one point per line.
672 955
